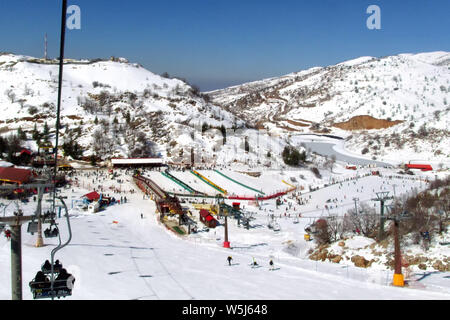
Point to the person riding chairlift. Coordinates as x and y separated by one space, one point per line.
57 267
46 267
41 281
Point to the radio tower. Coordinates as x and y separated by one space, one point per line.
45 47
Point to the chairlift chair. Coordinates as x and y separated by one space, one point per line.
49 217
54 288
51 232
43 290
32 227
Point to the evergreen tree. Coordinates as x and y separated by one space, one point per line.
246 145
292 156
224 133
3 145
96 120
93 160
21 134
35 133
46 131
205 127
72 148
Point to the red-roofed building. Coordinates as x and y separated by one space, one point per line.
26 151
92 196
423 167
207 218
15 175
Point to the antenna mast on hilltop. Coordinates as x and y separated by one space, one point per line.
45 47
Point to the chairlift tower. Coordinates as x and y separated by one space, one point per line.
15 223
382 197
398 276
39 239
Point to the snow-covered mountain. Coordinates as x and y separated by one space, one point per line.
387 108
121 102
394 103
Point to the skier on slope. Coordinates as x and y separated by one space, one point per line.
229 260
271 264
7 234
254 263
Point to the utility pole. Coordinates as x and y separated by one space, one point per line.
45 47
382 197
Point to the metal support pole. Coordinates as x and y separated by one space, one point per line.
398 276
381 229
16 262
58 109
39 240
226 243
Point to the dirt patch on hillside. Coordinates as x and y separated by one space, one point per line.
366 123
297 124
252 174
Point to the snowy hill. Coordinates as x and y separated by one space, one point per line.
124 103
119 248
408 92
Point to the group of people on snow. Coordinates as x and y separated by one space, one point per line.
253 264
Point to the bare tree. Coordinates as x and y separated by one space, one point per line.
366 221
336 227
11 95
323 234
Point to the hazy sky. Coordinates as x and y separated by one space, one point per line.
214 43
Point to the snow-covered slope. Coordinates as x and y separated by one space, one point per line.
411 88
117 254
98 95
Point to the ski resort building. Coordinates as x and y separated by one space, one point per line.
136 162
92 196
207 218
15 175
423 167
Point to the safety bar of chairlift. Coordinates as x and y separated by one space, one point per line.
44 292
60 246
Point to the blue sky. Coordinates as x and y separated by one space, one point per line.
214 43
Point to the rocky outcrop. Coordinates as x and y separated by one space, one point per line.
361 262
